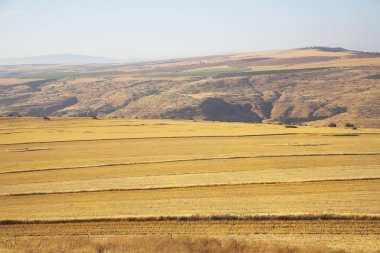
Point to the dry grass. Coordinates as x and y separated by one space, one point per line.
177 164
271 176
259 165
306 185
356 197
353 235
218 217
153 244
143 140
35 130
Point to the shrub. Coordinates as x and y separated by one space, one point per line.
302 120
290 126
332 125
337 110
46 118
349 124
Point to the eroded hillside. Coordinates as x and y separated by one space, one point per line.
311 86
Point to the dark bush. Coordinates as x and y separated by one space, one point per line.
349 124
332 125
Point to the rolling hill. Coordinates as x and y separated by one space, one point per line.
314 86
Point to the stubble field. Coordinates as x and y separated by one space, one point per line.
101 179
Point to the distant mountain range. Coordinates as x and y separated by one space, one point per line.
60 59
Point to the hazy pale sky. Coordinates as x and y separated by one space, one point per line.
152 29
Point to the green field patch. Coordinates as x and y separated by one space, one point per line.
267 72
202 72
376 76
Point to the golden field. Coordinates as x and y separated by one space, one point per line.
89 177
269 236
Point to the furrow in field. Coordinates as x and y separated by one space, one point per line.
188 187
197 179
173 136
198 218
352 235
187 167
154 138
191 160
348 197
275 226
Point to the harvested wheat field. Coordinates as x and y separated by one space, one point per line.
106 185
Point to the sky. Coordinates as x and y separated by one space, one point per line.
164 29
